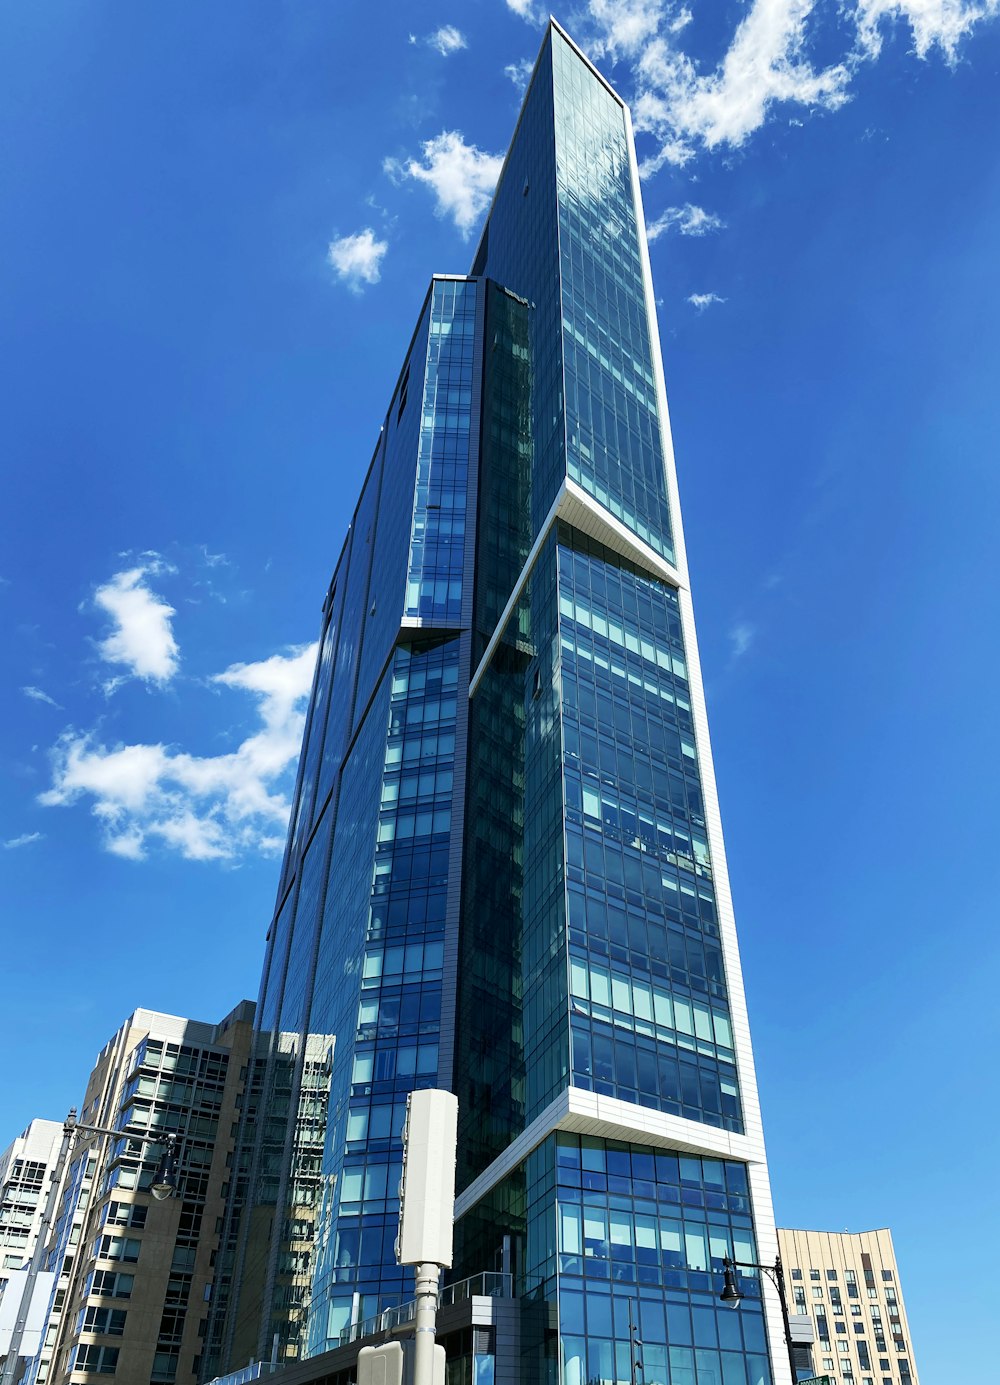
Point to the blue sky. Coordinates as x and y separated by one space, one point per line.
218 228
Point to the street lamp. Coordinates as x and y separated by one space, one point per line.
164 1182
164 1185
731 1295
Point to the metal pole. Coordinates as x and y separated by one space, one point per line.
427 1276
633 1343
776 1274
38 1255
779 1280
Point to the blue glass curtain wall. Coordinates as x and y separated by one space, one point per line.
378 988
437 543
599 1225
506 449
512 1047
650 1012
644 1226
612 424
284 1149
520 250
563 234
545 838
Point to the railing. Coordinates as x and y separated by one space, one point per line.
488 1284
254 1371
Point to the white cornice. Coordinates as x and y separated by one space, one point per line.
605 1117
581 511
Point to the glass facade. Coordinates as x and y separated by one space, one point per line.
614 447
643 1226
505 873
650 1009
351 999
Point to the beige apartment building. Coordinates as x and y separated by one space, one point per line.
135 1274
849 1284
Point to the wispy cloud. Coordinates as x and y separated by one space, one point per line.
775 58
38 695
741 637
25 839
933 23
528 10
215 807
213 559
701 301
519 72
625 26
461 176
447 40
357 259
766 65
142 638
689 220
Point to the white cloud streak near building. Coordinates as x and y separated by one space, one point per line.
701 301
689 220
211 807
461 176
772 61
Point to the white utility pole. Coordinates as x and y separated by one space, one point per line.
427 1215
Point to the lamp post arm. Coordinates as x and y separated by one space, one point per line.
167 1138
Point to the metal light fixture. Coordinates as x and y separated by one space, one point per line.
164 1182
730 1295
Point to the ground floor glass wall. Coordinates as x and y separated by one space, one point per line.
599 1225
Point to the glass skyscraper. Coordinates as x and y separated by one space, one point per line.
505 872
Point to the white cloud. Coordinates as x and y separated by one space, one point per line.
933 23
214 559
447 40
25 839
357 259
689 220
520 72
770 62
624 26
701 301
741 637
765 66
527 10
462 177
38 695
142 639
214 807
